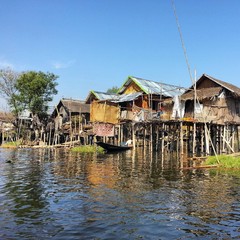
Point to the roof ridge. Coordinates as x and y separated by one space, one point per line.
162 83
224 84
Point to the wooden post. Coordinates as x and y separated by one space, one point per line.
238 140
157 138
151 137
162 140
207 135
181 144
224 137
144 136
50 133
233 137
133 136
194 139
121 133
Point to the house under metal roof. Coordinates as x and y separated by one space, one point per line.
127 97
152 87
100 96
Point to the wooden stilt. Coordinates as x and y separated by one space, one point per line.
181 144
207 134
133 136
157 137
194 139
151 137
238 140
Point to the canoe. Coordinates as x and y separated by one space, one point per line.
113 148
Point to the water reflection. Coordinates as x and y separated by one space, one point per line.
52 193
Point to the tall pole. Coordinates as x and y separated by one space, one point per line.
194 115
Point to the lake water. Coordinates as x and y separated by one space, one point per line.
54 194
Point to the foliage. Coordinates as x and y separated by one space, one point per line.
225 161
8 90
35 90
29 90
113 90
88 149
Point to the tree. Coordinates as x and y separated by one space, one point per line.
35 90
113 90
8 79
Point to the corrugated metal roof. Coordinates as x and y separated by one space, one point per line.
127 97
105 96
152 87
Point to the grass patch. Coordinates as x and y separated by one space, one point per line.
88 149
11 144
224 161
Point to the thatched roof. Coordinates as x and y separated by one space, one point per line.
212 91
230 87
202 93
73 106
76 105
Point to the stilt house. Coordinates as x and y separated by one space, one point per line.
137 100
71 113
7 129
156 100
212 100
99 96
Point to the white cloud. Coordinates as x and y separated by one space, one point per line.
5 64
62 65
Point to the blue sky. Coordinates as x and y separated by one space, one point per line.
97 44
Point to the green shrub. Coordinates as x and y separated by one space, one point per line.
11 144
225 161
88 149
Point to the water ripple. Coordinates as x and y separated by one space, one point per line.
55 194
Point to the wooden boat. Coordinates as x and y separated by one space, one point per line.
113 148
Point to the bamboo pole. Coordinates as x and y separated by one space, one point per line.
133 136
151 137
207 140
194 139
162 140
238 140
233 136
181 144
157 138
224 137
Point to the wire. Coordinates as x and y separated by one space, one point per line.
183 45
